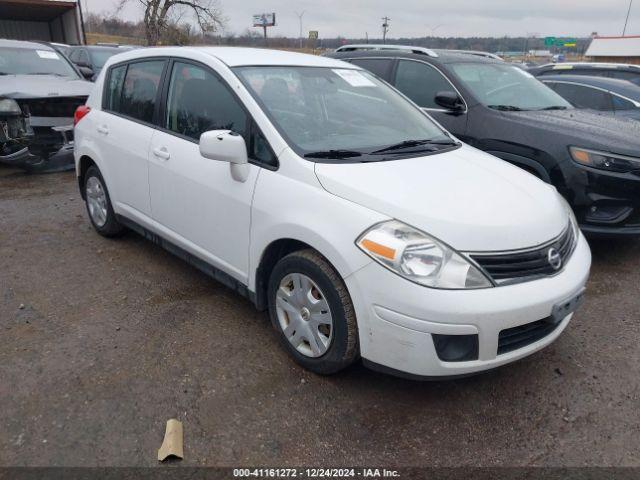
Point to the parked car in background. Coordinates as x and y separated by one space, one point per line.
593 160
39 93
326 197
91 58
60 47
622 71
607 95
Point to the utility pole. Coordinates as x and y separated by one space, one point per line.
624 30
385 28
300 15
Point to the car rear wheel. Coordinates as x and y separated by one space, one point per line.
98 204
312 312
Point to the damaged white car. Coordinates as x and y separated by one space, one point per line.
39 92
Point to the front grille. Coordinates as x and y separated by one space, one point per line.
523 335
503 267
52 107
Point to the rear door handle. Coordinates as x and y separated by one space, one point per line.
162 153
103 129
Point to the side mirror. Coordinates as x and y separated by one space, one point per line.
450 101
226 146
86 72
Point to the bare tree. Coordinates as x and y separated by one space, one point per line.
158 14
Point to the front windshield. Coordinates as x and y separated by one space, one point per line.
506 87
28 61
340 110
100 57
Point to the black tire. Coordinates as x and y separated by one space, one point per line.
343 349
111 227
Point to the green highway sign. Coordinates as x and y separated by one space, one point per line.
565 42
549 41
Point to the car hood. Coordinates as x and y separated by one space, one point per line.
466 198
42 86
583 128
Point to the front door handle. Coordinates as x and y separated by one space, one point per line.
103 129
162 153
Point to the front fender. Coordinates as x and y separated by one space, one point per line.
284 208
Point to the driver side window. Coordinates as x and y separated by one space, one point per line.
198 101
421 82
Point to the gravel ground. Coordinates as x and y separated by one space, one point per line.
104 340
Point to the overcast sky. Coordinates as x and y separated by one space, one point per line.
415 18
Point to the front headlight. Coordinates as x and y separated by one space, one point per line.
572 216
9 106
604 161
420 258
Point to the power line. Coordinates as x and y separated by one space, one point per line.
385 28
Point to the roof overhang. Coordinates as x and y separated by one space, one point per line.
35 10
614 47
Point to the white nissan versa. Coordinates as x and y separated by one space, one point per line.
331 200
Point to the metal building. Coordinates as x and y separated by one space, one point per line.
48 20
615 49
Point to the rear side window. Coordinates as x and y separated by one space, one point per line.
377 66
114 88
421 82
585 97
139 90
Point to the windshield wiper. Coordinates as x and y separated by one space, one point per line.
507 108
46 73
554 107
415 143
333 154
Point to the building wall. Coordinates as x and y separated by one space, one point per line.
632 60
24 30
70 27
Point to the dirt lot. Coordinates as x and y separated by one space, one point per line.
104 340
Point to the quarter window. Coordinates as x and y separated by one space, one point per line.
140 89
421 82
114 88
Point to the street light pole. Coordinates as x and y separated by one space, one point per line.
300 15
624 30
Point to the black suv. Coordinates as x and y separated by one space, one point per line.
621 71
91 58
592 159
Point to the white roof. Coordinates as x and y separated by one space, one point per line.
238 56
614 47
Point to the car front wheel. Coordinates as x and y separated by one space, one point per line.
312 312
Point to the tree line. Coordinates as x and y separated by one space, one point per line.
163 25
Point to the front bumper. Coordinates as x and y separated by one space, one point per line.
605 203
396 318
50 150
